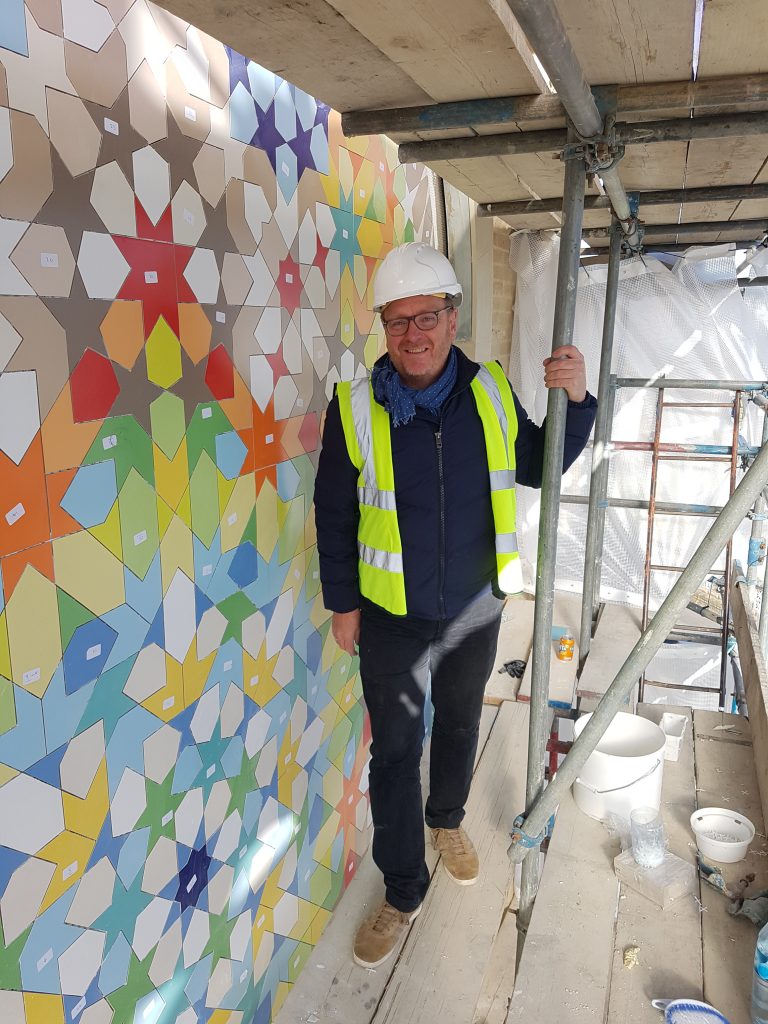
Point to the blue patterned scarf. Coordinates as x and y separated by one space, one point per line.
400 401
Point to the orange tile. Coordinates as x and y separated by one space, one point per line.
267 475
246 436
267 450
39 557
195 330
123 332
238 409
62 522
65 442
23 501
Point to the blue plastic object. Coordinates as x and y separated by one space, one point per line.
689 1011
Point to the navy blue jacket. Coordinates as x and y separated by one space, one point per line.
445 519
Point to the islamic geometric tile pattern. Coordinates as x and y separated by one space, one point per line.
186 249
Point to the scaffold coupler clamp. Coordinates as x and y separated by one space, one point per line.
600 152
521 841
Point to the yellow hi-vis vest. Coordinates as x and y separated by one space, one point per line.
369 444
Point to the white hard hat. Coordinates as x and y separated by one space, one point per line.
414 269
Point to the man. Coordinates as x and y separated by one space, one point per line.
415 510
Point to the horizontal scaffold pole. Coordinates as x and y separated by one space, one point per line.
657 197
620 99
756 228
643 133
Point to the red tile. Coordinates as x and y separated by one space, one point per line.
289 284
220 374
94 387
309 432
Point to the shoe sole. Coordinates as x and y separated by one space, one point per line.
377 963
459 881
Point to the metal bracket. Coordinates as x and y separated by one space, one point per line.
520 838
600 153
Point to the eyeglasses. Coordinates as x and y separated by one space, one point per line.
424 321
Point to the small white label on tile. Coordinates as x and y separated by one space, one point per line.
30 676
165 820
313 691
348 698
243 976
69 871
189 217
260 922
191 883
307 876
283 717
300 403
207 412
343 669
344 233
297 829
111 126
315 575
289 278
150 277
296 573
221 318
269 439
297 961
227 666
93 652
381 166
207 570
362 193
44 960
139 538
350 799
78 1008
243 852
351 866
210 771
287 759
49 259
15 514
346 328
285 168
109 442
254 680
168 703
190 113
231 520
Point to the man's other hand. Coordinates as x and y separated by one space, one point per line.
346 630
565 369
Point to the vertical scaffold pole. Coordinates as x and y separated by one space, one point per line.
562 334
598 485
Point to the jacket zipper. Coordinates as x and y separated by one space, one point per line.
441 560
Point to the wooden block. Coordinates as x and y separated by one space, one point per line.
514 644
671 880
725 774
669 941
617 633
562 674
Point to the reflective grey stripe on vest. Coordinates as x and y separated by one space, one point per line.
491 388
386 560
376 498
506 543
502 479
360 397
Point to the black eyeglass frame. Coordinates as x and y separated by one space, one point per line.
407 319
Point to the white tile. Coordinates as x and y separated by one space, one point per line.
86 23
102 266
286 394
263 282
128 803
11 281
257 730
152 182
150 925
80 963
179 615
23 895
288 868
307 239
287 216
241 936
310 742
189 814
112 198
31 814
19 413
12 1008
257 209
202 275
166 957
81 761
94 894
206 715
189 219
314 286
196 939
148 674
286 914
10 339
97 1013
6 142
232 713
262 381
160 752
279 623
269 330
209 632
265 769
229 838
220 889
160 867
216 807
219 984
292 354
283 671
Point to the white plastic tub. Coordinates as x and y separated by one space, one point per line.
625 771
673 727
721 834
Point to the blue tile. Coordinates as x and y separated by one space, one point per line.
114 969
21 746
263 84
242 114
202 604
285 112
131 629
9 861
126 748
47 769
13 28
188 768
230 454
288 480
286 167
145 596
132 856
232 758
50 933
245 565
318 147
92 493
63 712
87 653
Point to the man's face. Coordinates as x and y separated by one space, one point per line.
420 356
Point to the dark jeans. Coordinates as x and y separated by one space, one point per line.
397 657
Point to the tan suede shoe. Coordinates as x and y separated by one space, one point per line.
379 935
459 856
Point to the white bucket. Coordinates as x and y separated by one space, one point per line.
625 771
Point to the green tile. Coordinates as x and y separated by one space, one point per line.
207 421
337 745
71 615
7 706
138 523
235 610
291 536
320 885
204 499
168 423
122 439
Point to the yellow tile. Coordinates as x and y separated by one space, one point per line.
70 853
238 511
322 918
307 912
195 674
176 552
184 509
109 533
171 475
283 990
86 817
33 631
263 922
41 1008
89 572
163 353
164 517
330 183
7 773
267 529
225 488
168 701
323 847
5 651
258 682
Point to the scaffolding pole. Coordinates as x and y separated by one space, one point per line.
593 556
756 551
557 405
528 831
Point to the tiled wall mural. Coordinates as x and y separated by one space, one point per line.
186 248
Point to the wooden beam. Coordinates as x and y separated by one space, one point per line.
736 91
